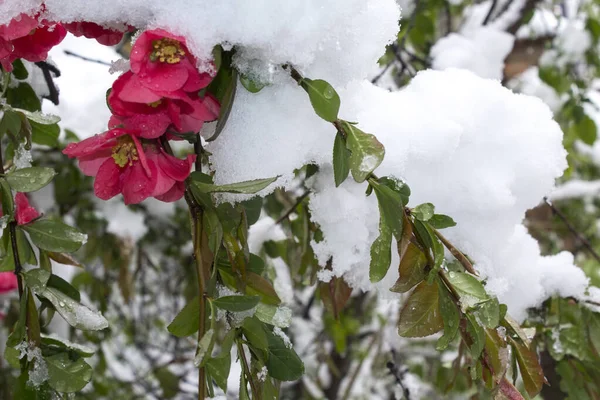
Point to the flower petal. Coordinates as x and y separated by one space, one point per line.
25 212
174 194
174 167
137 186
108 181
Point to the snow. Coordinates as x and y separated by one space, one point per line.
481 50
320 38
576 188
286 340
23 157
75 75
122 221
529 83
486 157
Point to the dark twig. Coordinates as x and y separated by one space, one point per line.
12 231
292 208
490 12
584 241
398 373
47 69
94 60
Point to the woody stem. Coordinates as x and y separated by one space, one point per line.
13 236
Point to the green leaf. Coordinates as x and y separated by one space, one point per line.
366 152
391 208
381 253
529 366
586 130
253 209
54 236
187 322
246 187
341 159
23 97
77 315
272 315
26 254
214 229
451 317
39 117
420 316
496 353
30 179
19 71
10 122
224 87
257 285
218 368
203 346
255 332
18 333
411 269
470 290
11 355
441 221
169 382
323 97
283 363
423 212
488 312
66 375
6 197
83 351
236 303
251 85
37 279
33 321
45 134
477 334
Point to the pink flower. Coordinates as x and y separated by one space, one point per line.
163 63
25 212
107 37
152 112
8 282
123 164
25 37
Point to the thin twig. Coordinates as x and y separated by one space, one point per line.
47 69
490 12
399 375
246 369
359 367
292 208
94 60
456 253
584 241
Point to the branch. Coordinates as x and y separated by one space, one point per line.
292 208
47 68
94 60
398 373
584 241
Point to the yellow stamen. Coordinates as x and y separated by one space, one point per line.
124 152
167 50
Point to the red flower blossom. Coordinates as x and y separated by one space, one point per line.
25 212
163 63
24 37
8 283
123 164
152 112
105 36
